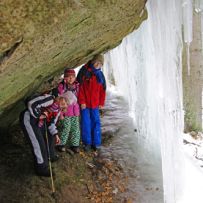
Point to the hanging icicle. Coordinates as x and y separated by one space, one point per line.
188 57
198 6
187 26
202 29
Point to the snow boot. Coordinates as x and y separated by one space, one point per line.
75 149
87 148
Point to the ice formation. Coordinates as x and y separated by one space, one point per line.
199 9
187 27
147 70
198 6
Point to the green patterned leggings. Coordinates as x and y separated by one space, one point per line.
69 131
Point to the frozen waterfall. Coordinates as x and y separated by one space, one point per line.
147 69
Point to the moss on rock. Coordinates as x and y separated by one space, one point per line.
52 34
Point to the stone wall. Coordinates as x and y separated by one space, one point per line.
39 37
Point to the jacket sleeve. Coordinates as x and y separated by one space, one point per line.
35 105
77 89
79 76
104 84
53 129
81 95
102 95
52 126
60 88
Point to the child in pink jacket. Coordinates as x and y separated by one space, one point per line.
69 129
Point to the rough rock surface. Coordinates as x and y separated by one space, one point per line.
39 37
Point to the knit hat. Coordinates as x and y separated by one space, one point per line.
68 72
99 58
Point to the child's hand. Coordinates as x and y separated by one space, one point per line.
100 107
83 106
64 110
57 139
45 114
61 117
101 112
42 117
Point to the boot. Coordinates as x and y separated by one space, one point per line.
87 148
43 172
55 158
61 148
75 149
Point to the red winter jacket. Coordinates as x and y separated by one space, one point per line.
91 92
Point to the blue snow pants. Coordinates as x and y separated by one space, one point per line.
91 127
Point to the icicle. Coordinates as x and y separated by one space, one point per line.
202 30
201 5
188 25
188 58
197 6
202 107
187 20
199 9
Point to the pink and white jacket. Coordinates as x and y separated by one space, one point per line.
73 109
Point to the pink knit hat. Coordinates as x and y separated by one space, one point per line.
68 72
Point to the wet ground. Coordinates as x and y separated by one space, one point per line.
144 175
118 173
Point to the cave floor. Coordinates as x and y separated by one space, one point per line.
111 175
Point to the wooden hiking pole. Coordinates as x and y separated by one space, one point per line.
49 159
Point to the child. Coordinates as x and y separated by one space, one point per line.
69 125
92 93
53 111
51 114
30 120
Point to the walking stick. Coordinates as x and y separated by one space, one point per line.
49 159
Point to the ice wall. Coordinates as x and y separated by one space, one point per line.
146 68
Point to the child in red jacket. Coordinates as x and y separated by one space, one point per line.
92 92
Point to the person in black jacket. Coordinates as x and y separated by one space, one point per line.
30 119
